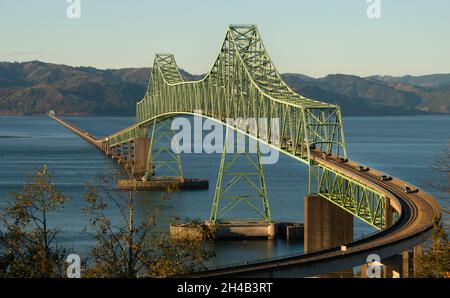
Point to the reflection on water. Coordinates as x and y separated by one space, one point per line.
400 146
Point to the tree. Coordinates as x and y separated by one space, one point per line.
26 246
436 260
130 249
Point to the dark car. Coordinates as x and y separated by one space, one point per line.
325 155
408 189
385 178
362 168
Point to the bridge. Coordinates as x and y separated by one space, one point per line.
243 83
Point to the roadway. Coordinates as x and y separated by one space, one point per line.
413 227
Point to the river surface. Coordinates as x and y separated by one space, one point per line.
400 146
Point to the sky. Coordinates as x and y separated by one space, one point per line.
316 37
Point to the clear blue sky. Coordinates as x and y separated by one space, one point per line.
315 37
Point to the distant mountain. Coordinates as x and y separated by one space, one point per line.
36 87
433 80
372 96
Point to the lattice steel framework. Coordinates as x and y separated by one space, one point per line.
161 156
235 187
244 83
356 198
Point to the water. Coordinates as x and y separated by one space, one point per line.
401 146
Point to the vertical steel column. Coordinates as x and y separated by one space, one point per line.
225 187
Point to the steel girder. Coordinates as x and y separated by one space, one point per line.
349 194
161 157
235 187
244 83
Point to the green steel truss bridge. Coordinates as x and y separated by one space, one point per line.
244 83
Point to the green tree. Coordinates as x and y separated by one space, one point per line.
436 260
26 244
134 249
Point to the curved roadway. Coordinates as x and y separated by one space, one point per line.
414 226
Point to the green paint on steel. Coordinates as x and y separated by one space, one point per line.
358 199
236 188
244 83
161 156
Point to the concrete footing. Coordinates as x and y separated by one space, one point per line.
193 232
238 230
242 229
326 225
290 230
164 183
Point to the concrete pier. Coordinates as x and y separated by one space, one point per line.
192 232
243 229
141 148
238 230
405 264
417 254
326 225
164 183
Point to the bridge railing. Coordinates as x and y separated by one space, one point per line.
360 200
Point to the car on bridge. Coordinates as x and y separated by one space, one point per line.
385 178
362 168
325 155
341 159
408 189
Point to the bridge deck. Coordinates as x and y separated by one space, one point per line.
78 131
413 227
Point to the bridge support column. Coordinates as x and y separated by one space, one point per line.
363 269
121 154
108 150
114 153
129 152
418 252
405 264
326 225
389 267
141 149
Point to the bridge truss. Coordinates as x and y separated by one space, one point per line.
244 84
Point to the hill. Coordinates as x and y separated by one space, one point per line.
36 87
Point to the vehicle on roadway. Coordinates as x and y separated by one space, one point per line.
362 168
325 155
341 159
384 178
408 189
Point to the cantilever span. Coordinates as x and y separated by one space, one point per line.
244 83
